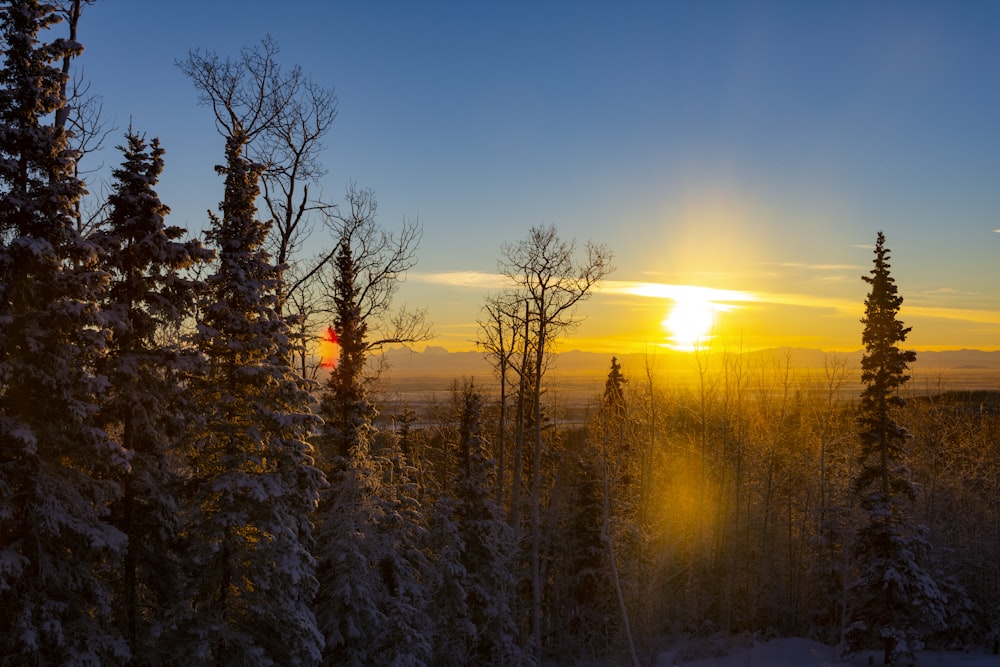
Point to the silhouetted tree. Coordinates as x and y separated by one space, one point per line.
552 281
253 484
896 597
148 405
614 389
56 465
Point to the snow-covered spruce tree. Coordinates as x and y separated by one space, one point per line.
896 600
253 486
487 551
370 606
344 405
348 601
583 611
55 463
453 632
147 402
405 638
347 605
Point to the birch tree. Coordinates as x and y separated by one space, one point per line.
552 281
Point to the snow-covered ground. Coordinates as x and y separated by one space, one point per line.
807 653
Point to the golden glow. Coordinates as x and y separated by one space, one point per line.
329 348
678 293
693 320
690 324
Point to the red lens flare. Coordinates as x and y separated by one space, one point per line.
329 349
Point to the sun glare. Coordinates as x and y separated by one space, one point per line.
690 324
693 320
329 348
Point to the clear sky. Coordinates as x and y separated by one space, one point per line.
750 147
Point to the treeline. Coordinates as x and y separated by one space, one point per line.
176 487
730 507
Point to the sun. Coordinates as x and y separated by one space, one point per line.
329 349
690 324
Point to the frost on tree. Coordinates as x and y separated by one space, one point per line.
55 463
896 600
147 407
487 545
253 485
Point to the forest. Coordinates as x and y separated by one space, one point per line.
187 477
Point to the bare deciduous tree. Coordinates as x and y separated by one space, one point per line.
553 281
285 117
381 260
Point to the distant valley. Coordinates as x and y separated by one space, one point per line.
580 375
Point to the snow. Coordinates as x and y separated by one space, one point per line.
798 652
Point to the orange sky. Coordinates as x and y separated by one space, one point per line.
629 316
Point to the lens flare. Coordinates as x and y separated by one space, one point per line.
329 349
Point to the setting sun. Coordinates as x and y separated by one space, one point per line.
329 348
695 318
690 324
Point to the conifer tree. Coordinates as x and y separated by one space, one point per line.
146 407
405 638
344 404
447 583
472 582
372 603
487 544
253 485
347 605
614 390
897 600
56 465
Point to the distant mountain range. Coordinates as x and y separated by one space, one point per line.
437 362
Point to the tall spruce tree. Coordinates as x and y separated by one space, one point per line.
472 582
370 605
147 404
405 638
56 465
344 405
347 605
253 483
488 547
897 600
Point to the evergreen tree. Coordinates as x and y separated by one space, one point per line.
344 404
402 564
472 582
348 605
447 582
487 544
56 465
371 605
146 407
614 390
253 483
585 613
348 609
897 599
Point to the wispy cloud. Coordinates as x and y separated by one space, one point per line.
734 298
476 279
962 314
816 267
677 293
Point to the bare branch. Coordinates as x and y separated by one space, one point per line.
379 260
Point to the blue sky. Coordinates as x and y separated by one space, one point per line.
748 146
